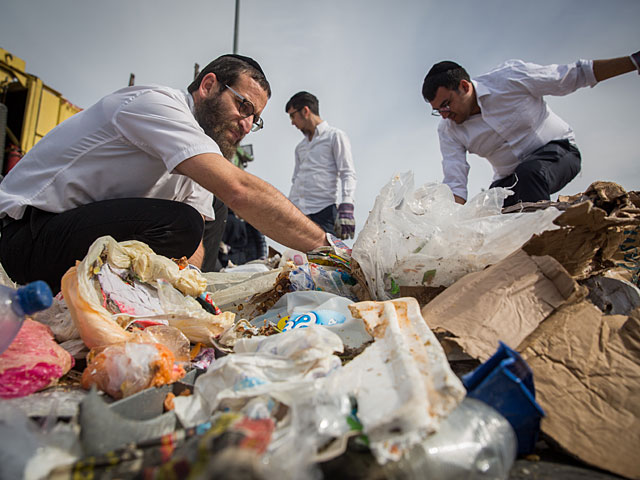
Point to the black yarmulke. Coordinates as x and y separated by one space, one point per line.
442 67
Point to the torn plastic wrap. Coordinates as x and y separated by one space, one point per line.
422 237
282 373
119 284
264 365
324 278
249 294
123 369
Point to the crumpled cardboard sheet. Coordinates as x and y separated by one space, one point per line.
402 382
587 372
600 231
506 301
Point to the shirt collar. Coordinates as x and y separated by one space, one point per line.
190 101
480 88
481 91
322 127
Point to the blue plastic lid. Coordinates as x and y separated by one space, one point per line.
34 297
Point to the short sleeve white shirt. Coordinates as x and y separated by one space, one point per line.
126 145
323 169
514 119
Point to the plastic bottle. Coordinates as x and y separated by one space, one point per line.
474 442
16 303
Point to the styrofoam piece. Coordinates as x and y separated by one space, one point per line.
403 383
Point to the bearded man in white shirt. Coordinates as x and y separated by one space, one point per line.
142 164
502 116
323 167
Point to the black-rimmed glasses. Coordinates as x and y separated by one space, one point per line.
247 109
444 108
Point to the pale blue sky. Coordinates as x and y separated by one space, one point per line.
364 59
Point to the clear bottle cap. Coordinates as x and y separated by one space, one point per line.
34 297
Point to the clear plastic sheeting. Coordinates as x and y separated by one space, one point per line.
421 237
474 442
279 376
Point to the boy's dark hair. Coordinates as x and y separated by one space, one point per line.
445 74
301 100
228 68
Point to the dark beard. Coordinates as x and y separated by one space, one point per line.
209 113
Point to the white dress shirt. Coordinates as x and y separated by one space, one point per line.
319 164
514 119
126 145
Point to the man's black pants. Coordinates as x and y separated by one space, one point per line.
213 233
542 172
325 218
44 245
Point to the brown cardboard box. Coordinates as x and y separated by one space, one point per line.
507 301
586 368
601 232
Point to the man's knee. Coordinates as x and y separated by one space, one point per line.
186 228
531 184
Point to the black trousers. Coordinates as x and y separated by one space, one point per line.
44 245
542 172
213 232
326 218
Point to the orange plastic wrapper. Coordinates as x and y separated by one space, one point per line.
122 369
99 327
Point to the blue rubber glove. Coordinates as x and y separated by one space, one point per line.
345 225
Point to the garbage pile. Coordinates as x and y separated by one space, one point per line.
282 371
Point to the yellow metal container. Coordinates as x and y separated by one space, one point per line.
33 108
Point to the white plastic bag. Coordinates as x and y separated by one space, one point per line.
351 331
420 236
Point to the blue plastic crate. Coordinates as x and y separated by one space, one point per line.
505 382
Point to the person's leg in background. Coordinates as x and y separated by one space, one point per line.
326 218
213 231
44 245
543 172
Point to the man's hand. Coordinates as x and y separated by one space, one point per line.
345 225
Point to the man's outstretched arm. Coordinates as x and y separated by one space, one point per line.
255 200
604 69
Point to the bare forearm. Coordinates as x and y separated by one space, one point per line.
268 210
256 201
604 69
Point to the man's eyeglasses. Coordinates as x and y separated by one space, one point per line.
292 114
445 107
247 109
